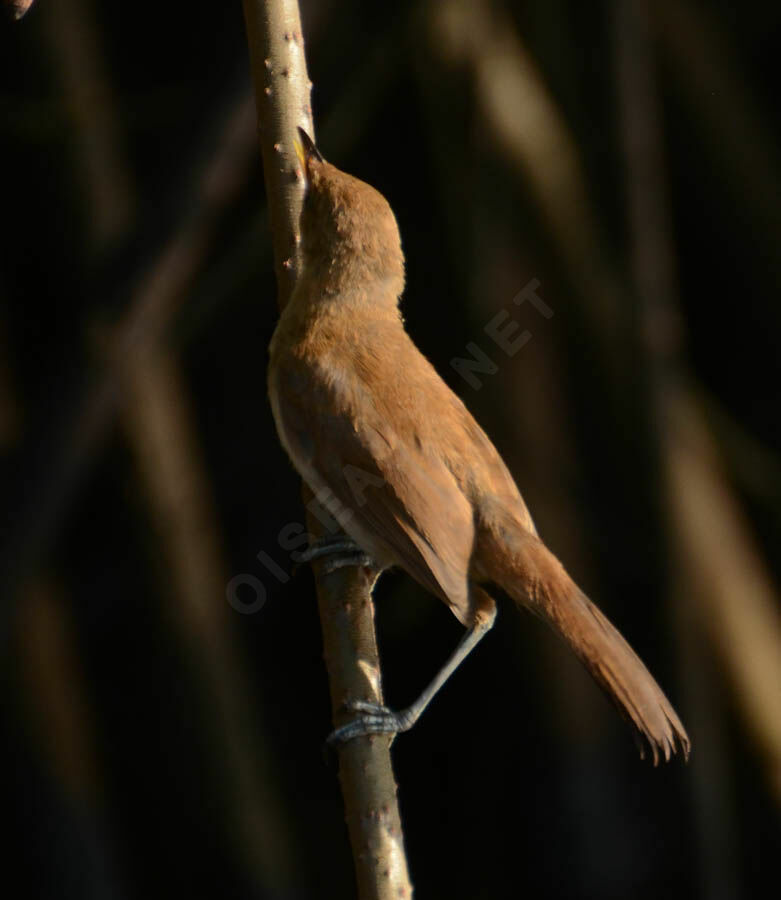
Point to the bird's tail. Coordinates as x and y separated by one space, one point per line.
523 567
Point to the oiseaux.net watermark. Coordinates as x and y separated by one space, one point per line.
246 592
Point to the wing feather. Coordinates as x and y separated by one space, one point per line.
399 502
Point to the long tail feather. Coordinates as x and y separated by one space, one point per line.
526 570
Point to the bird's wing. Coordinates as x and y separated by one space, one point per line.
403 504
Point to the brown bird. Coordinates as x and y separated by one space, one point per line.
411 477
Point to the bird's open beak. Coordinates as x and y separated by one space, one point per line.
306 150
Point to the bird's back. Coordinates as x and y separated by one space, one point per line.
379 377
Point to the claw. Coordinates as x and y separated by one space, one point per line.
366 706
324 546
339 561
339 551
373 719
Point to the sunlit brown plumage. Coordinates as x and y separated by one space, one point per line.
419 485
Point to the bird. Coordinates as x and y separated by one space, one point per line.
414 481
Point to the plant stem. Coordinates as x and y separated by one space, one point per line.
282 90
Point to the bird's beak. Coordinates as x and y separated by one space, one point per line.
306 150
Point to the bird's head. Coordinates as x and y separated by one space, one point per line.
349 234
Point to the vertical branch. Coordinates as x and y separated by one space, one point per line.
368 786
282 91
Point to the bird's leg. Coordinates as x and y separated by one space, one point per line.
338 550
377 719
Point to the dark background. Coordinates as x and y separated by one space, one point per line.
157 741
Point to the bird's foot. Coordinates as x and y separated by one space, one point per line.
373 719
338 551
